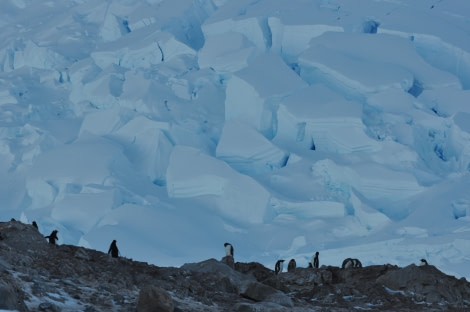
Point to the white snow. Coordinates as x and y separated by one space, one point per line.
196 175
227 52
284 127
320 119
247 151
253 93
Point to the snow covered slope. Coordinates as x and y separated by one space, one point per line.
283 126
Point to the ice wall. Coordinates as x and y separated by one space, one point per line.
319 119
305 124
254 92
192 174
249 152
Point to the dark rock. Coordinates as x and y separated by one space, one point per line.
8 297
154 299
213 274
324 277
90 309
48 307
257 270
260 292
259 307
228 260
207 266
11 295
427 282
82 254
54 274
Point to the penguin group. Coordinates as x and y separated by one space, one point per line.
279 266
351 263
53 238
229 252
315 263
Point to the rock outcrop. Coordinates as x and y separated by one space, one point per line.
153 298
37 276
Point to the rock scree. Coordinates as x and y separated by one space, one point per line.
38 276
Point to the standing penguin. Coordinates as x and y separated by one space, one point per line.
228 249
291 265
52 237
35 225
315 261
279 266
113 249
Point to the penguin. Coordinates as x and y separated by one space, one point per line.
35 225
357 263
228 249
351 263
347 263
52 237
291 265
315 261
113 249
279 266
423 262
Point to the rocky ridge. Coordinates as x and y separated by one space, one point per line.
37 276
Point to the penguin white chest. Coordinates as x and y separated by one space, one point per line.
228 250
